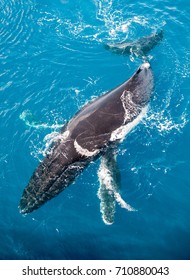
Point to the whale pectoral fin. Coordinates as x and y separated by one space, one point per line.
107 204
108 186
108 192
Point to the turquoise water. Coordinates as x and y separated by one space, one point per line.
52 61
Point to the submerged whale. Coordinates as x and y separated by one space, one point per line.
140 47
92 132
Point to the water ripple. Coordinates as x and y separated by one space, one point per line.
14 27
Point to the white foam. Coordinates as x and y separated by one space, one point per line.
165 124
122 131
145 65
55 136
27 117
84 152
64 135
5 86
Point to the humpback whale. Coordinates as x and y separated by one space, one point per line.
98 127
139 47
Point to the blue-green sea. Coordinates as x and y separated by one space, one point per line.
52 62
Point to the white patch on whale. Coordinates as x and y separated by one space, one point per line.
132 110
122 131
83 151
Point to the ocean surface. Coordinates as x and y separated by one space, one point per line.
52 62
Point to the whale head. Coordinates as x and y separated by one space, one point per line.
141 85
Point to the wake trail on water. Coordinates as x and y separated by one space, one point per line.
40 149
29 120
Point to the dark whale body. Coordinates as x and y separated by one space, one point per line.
89 133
